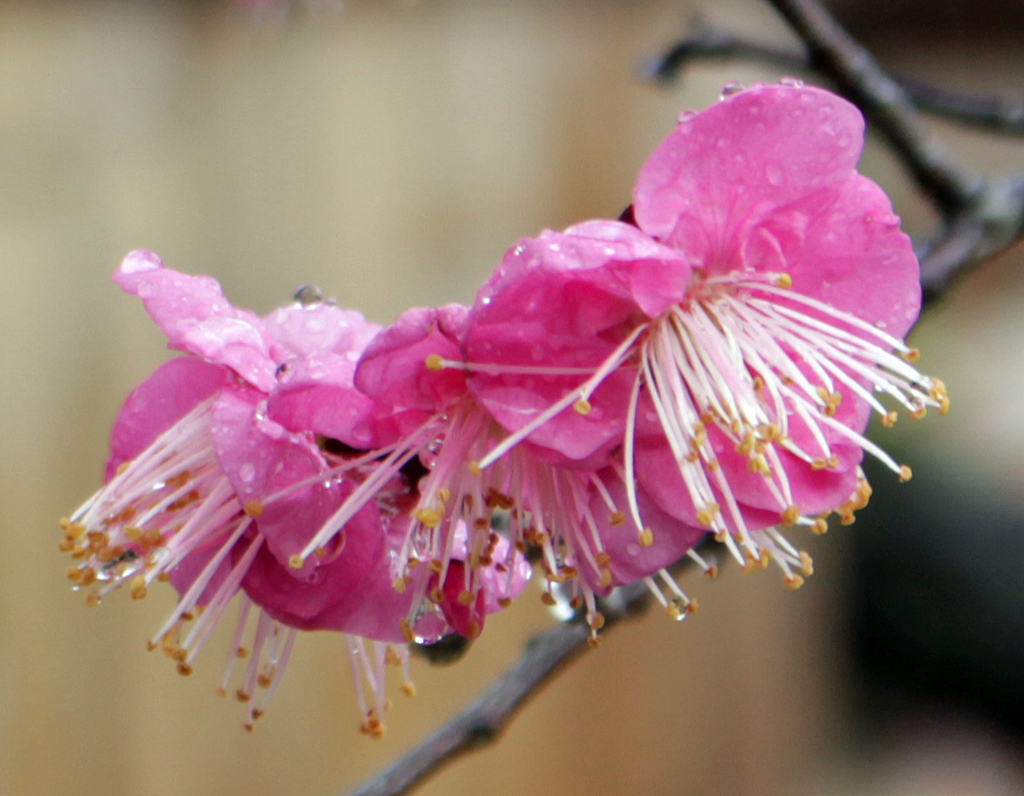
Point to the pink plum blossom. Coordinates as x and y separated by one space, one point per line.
722 347
217 474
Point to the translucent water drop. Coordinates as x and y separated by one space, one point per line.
141 260
685 116
731 88
247 472
793 82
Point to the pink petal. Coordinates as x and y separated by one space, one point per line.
393 366
743 158
197 319
321 328
173 390
261 458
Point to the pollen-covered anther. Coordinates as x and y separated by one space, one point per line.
582 406
596 620
937 392
253 508
399 585
138 587
606 578
889 419
184 669
617 518
406 629
474 468
819 526
645 538
437 595
782 280
793 581
92 598
911 354
465 598
706 516
919 412
711 572
436 566
372 725
806 564
473 629
409 688
905 474
434 362
296 562
429 518
548 599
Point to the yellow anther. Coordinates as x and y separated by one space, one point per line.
905 474
912 354
706 516
465 597
711 572
92 599
594 642
617 518
436 566
602 559
132 534
434 362
606 578
645 537
253 508
806 564
790 515
444 495
474 468
399 584
596 620
919 412
783 280
548 599
407 633
437 595
889 419
409 688
473 629
820 526
430 518
582 406
296 562
184 669
138 587
793 581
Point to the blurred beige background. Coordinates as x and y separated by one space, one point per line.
390 154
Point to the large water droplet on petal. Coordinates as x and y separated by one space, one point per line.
140 260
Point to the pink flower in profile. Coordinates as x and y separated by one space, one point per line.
216 475
722 347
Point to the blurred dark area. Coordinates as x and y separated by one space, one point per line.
937 600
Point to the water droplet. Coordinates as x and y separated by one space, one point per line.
609 251
137 261
554 247
731 88
880 324
792 82
685 116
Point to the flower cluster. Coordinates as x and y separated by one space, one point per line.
706 364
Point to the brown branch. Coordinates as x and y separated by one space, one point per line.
483 722
994 114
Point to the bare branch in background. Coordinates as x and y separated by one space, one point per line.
483 722
980 217
703 42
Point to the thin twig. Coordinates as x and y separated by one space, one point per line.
834 54
483 722
994 114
